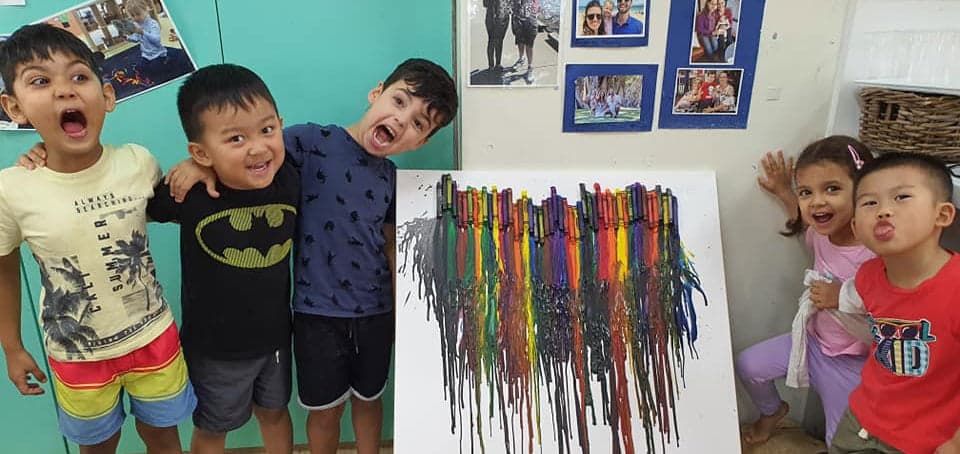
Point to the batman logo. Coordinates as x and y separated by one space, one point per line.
248 237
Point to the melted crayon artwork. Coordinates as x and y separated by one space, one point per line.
566 323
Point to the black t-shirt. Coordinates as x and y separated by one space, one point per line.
235 265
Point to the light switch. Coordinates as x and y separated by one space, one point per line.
773 93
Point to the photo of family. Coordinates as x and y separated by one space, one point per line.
608 99
707 91
514 43
600 20
715 25
136 41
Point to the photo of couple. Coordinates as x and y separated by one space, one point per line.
608 18
514 42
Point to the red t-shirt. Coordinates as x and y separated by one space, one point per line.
909 393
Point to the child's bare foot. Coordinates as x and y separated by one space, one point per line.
761 429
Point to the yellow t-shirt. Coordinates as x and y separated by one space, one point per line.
87 230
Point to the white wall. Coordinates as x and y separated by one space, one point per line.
916 41
521 129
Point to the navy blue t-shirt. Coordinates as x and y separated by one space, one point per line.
340 267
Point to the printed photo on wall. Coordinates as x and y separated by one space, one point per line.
5 122
708 73
707 91
135 41
609 98
513 43
715 25
610 23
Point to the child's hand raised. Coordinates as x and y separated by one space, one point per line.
776 178
185 175
825 295
35 158
20 368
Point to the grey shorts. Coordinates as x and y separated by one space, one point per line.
227 389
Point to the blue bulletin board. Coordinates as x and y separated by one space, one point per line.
319 59
704 46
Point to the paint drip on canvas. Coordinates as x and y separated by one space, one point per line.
541 301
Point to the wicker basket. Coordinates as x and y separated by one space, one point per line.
894 120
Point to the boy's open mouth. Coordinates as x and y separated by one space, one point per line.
383 134
74 123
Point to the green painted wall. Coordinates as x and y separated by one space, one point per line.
319 58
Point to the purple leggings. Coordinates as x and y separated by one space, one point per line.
834 377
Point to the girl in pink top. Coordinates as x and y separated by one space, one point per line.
821 208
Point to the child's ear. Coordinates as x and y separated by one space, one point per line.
946 211
853 227
12 107
199 154
375 93
109 97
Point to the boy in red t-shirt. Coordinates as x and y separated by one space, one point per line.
908 399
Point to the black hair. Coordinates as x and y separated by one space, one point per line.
939 180
835 149
432 83
40 42
216 87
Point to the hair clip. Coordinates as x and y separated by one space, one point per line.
857 162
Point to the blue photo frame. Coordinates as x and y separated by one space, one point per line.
686 57
639 19
589 106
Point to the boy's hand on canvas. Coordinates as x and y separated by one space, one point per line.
185 175
22 370
825 295
35 158
776 178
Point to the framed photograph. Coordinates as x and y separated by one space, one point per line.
136 42
610 23
710 63
609 98
513 43
714 40
707 91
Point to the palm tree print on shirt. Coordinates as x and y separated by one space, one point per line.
133 260
65 305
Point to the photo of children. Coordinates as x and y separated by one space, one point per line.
715 24
610 18
136 41
707 91
514 43
5 122
608 99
